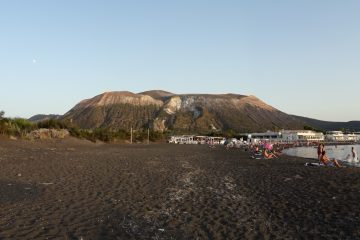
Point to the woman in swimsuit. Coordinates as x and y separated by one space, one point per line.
320 149
268 155
327 162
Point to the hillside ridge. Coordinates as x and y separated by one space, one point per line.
162 111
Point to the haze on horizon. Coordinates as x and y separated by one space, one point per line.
301 57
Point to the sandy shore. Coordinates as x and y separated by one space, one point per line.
72 189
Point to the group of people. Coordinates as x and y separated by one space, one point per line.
270 151
323 158
265 152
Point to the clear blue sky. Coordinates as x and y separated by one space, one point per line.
302 57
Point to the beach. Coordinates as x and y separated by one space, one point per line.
75 189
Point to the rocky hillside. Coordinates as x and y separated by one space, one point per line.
181 113
158 94
330 126
43 117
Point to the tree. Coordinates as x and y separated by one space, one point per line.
2 113
312 129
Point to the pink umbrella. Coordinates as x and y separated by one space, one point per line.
268 146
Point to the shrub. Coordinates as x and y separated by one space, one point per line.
53 124
21 127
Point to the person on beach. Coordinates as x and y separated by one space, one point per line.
268 155
320 149
353 154
327 162
277 151
257 150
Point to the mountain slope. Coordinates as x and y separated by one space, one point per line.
158 94
43 117
114 110
227 111
330 126
162 110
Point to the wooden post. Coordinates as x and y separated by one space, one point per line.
148 135
131 135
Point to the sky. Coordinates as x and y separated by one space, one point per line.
301 57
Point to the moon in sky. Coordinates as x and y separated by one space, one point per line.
34 60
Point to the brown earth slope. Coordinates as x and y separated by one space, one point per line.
183 113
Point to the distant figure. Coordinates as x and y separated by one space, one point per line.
268 155
327 162
320 149
277 152
353 155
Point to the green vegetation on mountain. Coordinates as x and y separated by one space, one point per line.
351 126
19 127
15 127
43 117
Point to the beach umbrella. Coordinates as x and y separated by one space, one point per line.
268 146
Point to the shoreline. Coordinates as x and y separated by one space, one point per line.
335 152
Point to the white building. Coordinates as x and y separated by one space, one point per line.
351 137
265 136
302 135
287 136
209 140
339 136
183 139
357 134
334 136
192 139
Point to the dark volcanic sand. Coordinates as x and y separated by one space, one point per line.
72 189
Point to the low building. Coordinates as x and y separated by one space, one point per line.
351 137
334 136
183 139
357 134
192 139
302 135
287 136
265 136
339 136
